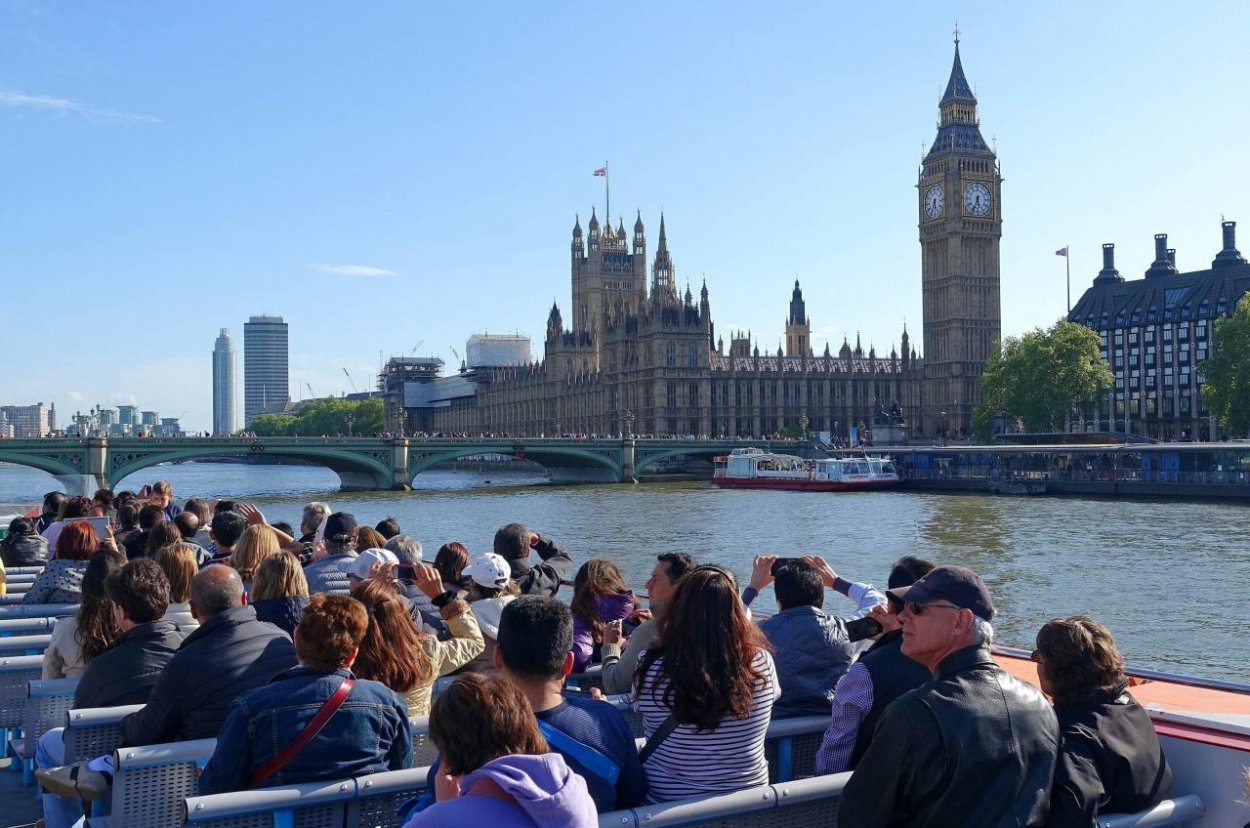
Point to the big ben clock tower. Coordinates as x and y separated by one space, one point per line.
961 222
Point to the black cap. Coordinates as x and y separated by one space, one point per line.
340 527
956 584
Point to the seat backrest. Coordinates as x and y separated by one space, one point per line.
15 673
20 610
379 795
26 626
47 702
94 731
791 747
1168 812
33 644
798 804
150 783
307 805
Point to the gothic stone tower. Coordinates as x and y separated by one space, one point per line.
606 275
798 326
961 223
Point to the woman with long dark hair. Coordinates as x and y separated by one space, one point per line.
711 672
395 652
600 596
82 636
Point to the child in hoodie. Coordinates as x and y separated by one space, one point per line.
599 597
495 766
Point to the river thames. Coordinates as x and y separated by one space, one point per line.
1168 578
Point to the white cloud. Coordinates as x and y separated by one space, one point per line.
354 270
66 106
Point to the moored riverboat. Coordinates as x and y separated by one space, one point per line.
753 468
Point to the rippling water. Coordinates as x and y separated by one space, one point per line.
1167 577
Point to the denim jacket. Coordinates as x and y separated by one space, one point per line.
368 734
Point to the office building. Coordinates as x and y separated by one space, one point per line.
265 366
224 384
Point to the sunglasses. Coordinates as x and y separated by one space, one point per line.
921 609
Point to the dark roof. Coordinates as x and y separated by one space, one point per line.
1199 294
958 88
962 138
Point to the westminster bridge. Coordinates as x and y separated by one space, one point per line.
362 463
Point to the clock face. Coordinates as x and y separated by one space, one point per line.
933 201
977 199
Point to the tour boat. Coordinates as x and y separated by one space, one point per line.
753 468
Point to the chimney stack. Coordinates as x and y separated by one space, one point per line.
1229 256
1161 266
1108 273
1172 256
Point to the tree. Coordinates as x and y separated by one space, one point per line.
328 416
1042 379
1226 373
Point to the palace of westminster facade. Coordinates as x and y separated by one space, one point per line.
643 357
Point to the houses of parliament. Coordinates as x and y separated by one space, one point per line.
634 354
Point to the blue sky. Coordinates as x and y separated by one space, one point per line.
171 168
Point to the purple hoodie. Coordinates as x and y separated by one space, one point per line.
611 608
544 793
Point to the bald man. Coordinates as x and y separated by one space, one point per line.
230 653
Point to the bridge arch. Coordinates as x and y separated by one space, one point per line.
566 463
357 468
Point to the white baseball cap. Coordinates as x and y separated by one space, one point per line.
489 570
365 560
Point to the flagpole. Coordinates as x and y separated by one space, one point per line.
607 194
1067 263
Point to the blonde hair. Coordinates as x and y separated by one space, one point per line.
257 543
279 576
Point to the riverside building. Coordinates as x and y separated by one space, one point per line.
1155 332
224 408
648 359
265 366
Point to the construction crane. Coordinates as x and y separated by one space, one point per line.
417 347
312 395
352 381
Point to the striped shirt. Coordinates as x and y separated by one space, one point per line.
729 758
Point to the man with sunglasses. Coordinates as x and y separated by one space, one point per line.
972 747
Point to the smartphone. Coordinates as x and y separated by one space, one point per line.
406 572
862 628
100 524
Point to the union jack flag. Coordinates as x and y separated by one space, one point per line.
1063 251
601 171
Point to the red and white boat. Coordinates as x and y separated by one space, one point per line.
753 468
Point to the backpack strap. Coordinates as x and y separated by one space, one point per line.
657 738
591 759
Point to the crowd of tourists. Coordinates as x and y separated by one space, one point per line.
304 650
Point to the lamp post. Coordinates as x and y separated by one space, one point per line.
945 428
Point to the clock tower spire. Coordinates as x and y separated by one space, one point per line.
960 224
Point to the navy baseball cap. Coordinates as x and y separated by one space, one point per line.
955 584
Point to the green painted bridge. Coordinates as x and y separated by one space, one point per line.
85 464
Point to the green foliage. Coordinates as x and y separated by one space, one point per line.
331 417
1226 373
1043 379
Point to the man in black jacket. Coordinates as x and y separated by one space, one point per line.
126 672
230 652
514 542
972 747
122 674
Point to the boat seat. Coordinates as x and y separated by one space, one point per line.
1168 812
